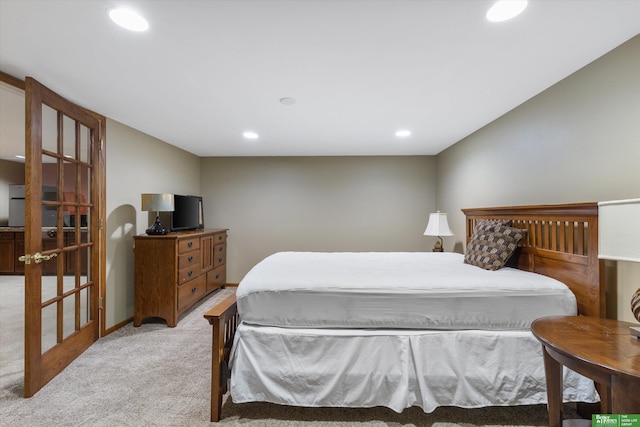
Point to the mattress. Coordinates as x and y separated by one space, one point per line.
395 290
395 369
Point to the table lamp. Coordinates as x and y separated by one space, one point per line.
158 203
438 226
619 238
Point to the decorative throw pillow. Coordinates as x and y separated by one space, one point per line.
492 222
492 245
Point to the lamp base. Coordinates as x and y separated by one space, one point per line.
437 247
157 228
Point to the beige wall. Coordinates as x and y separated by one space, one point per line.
12 125
136 163
273 204
577 141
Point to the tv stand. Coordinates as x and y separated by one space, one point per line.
176 270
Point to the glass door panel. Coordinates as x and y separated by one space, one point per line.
85 144
71 318
49 327
85 306
68 137
49 129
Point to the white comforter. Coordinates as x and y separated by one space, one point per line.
407 290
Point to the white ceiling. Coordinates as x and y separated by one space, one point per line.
207 70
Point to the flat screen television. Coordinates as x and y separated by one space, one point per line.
187 213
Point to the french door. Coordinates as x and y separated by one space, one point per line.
64 233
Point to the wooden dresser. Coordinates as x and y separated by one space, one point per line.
174 271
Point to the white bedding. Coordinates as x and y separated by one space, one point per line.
395 369
422 290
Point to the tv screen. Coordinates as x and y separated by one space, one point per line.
187 213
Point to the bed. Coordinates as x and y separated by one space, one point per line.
374 327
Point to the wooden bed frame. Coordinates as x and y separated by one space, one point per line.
561 242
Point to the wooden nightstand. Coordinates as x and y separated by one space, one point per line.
600 349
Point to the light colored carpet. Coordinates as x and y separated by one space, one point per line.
159 376
11 329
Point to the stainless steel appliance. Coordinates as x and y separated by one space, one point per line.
16 206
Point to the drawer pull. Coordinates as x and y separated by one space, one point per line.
190 258
220 249
219 237
193 290
218 276
220 259
190 273
190 244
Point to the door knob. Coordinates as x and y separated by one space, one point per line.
38 258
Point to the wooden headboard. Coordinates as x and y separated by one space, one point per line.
561 242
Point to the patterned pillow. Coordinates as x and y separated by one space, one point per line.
492 245
484 223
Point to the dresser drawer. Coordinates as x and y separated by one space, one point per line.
191 292
216 278
219 238
188 273
188 260
219 254
187 245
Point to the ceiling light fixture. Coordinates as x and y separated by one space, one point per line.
250 135
503 10
129 19
287 101
403 133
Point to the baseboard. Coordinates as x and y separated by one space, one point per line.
117 326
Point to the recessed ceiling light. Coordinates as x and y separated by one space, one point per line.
129 19
250 135
403 133
287 101
503 10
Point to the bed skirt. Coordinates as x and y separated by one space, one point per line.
394 369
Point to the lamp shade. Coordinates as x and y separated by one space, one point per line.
619 230
438 225
157 202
